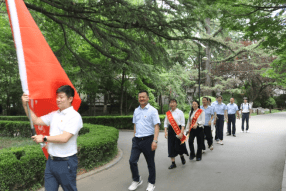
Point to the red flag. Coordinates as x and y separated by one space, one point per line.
40 72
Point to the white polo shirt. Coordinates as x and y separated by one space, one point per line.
68 120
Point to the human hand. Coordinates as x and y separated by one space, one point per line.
153 146
194 126
165 135
25 99
209 123
38 138
214 123
180 135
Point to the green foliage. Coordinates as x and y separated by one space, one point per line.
270 102
15 128
23 167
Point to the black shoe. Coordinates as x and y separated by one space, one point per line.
198 159
172 166
182 160
191 157
227 134
234 135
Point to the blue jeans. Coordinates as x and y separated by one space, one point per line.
142 145
61 172
231 120
245 116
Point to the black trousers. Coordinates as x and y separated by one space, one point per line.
245 116
207 132
174 146
219 127
142 145
231 120
198 133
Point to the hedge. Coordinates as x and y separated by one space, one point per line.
119 122
23 167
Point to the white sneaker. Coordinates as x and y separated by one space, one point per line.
150 187
135 184
242 131
221 142
247 131
203 151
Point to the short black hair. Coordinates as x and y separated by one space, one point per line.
142 91
209 99
68 90
219 96
205 98
173 100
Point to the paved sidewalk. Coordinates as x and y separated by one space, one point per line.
250 162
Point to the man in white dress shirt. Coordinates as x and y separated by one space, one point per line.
65 123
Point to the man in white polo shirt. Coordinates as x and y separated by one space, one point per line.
65 123
246 111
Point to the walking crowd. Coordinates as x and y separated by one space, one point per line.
201 122
65 123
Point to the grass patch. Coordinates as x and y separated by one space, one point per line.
7 142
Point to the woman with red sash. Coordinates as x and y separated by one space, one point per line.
194 128
175 122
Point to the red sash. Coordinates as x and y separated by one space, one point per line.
175 127
195 117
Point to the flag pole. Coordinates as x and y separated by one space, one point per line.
34 132
31 122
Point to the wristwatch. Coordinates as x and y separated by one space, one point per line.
155 141
45 139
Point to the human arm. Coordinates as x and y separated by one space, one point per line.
165 126
225 114
134 130
215 118
69 129
155 138
211 118
200 121
62 138
238 115
36 120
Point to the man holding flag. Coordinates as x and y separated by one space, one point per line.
65 123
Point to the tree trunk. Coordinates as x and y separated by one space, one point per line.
208 54
122 92
126 111
94 100
105 103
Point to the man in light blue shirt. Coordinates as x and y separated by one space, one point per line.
146 129
232 108
220 111
208 111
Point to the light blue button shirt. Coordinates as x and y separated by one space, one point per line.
232 108
208 113
145 119
219 108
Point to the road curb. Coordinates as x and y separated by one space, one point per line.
105 167
283 188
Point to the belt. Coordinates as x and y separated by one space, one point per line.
144 138
232 114
60 158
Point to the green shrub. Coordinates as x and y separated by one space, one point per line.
23 167
15 128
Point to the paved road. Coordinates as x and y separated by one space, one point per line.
250 162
